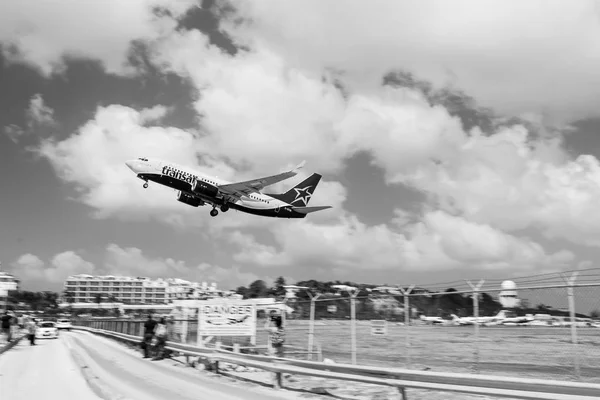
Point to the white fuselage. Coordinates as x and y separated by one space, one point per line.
254 200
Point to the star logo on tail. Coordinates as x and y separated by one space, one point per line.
303 195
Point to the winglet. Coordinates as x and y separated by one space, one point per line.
300 166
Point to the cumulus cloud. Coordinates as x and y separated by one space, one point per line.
131 261
46 34
14 132
464 44
513 181
438 242
93 159
37 115
263 108
125 261
31 268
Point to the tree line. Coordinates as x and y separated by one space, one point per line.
373 304
34 301
369 303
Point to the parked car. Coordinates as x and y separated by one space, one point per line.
64 324
46 330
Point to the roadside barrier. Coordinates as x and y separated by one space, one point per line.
517 388
12 344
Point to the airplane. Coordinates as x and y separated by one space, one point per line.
516 320
501 316
433 320
196 189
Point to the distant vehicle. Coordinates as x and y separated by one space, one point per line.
498 318
196 189
46 330
64 324
432 320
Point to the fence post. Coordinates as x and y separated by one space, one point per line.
406 293
476 289
184 325
353 294
571 297
311 324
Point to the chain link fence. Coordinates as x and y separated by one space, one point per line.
549 332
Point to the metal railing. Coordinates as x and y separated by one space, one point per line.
562 346
394 377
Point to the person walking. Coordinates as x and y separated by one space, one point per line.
160 333
176 324
149 327
7 326
31 327
274 326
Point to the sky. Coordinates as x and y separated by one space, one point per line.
457 140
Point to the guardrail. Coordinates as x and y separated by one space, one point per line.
517 388
12 344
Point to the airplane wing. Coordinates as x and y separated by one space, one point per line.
306 210
239 189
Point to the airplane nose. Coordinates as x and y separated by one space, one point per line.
130 164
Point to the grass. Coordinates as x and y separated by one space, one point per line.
536 352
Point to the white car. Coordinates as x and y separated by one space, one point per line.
64 324
46 330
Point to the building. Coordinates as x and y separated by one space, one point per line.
292 290
135 290
109 288
8 282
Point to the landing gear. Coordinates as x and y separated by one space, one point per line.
145 186
214 212
225 207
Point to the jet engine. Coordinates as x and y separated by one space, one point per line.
204 188
189 200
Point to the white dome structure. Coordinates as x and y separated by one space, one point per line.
508 285
508 296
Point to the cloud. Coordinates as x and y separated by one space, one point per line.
125 261
14 132
46 34
258 109
464 44
93 159
514 181
31 268
439 241
281 114
39 113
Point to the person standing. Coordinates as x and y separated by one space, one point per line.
161 338
7 326
31 327
176 323
149 327
274 326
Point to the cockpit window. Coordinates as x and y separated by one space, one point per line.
143 159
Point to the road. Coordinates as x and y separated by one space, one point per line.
45 370
79 365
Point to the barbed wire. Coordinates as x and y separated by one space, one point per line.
587 275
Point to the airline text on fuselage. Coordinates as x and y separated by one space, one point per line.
178 174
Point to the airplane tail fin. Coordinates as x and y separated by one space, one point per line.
300 194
